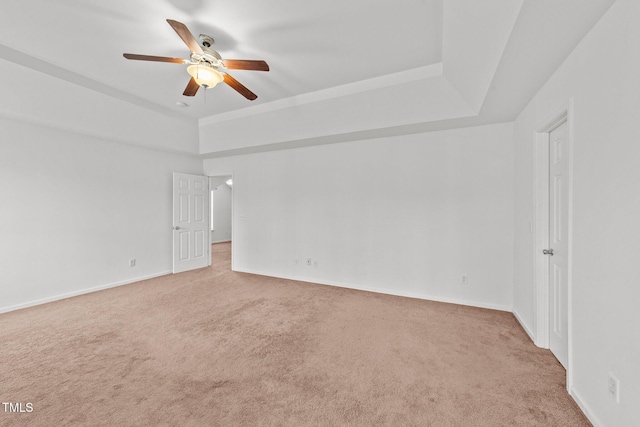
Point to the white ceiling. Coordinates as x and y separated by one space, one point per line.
464 61
309 45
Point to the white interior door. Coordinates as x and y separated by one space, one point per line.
191 237
558 237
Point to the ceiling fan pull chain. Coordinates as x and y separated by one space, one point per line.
204 86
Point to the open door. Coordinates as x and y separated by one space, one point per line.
552 243
558 237
191 236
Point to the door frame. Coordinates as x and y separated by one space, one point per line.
541 227
233 198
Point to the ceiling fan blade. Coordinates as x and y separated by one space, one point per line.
192 88
154 58
245 64
186 36
239 87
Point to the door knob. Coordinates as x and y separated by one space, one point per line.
547 252
176 228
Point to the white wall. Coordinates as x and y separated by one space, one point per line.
407 215
221 212
75 209
80 196
37 98
602 76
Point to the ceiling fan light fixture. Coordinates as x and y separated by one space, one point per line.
204 63
205 75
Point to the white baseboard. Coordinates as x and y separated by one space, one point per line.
80 292
387 291
524 326
213 242
585 408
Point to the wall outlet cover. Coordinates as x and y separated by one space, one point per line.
614 388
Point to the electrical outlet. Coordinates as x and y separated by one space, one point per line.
315 263
464 279
132 262
308 261
614 388
296 261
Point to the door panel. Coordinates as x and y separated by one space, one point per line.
556 311
200 244
558 230
190 222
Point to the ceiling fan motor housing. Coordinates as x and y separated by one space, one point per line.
210 56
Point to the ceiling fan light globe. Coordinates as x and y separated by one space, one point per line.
205 76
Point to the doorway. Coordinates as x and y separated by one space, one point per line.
221 208
552 243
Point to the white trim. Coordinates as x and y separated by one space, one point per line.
375 83
210 225
585 408
213 242
55 71
541 227
393 292
43 122
80 292
524 326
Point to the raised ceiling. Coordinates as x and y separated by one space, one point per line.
310 46
430 62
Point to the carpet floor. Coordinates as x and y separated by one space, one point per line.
213 347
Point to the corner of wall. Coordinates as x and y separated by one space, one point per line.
585 408
524 325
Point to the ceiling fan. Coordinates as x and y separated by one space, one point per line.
206 66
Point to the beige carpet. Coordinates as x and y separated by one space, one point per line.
218 348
